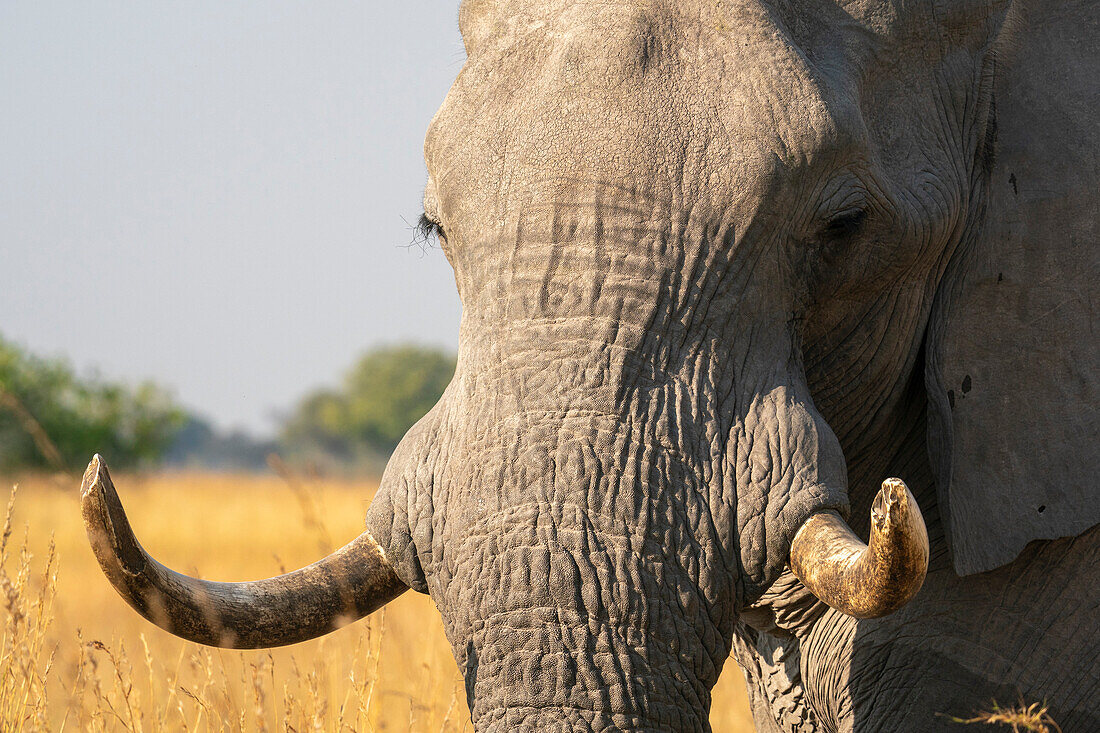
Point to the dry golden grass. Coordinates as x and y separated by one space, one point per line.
1032 718
75 657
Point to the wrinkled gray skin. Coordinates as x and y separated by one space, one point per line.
709 254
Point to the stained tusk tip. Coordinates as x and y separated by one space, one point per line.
857 579
894 490
94 475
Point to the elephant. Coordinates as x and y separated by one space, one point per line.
725 266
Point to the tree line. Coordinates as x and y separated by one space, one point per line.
53 418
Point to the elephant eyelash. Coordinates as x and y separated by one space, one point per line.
428 229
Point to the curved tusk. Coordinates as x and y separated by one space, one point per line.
339 589
865 581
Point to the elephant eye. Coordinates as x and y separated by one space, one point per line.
844 226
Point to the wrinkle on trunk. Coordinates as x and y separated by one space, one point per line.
577 582
583 551
618 467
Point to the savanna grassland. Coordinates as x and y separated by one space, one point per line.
76 658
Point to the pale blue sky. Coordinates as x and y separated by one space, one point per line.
211 194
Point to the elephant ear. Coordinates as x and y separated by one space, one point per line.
1013 370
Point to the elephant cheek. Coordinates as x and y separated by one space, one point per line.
787 465
400 514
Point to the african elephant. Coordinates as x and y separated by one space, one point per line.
724 266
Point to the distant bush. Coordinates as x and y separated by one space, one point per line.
51 418
199 444
382 396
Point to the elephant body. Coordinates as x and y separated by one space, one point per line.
630 388
726 265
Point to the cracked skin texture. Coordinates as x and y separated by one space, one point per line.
706 252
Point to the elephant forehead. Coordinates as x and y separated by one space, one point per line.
715 106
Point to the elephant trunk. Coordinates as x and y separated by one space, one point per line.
345 586
865 581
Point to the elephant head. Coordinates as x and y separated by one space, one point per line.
699 246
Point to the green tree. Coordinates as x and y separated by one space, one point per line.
382 396
51 418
